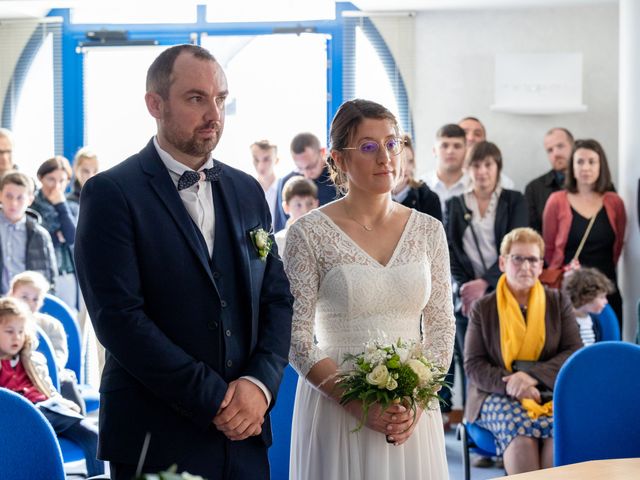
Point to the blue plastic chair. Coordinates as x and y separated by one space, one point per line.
281 418
28 446
595 404
638 333
609 326
58 309
46 349
71 452
475 439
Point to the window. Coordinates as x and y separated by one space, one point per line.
117 123
32 102
135 12
370 70
271 11
272 96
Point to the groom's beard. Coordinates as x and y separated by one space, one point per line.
194 144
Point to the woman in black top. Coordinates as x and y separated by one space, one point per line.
59 217
413 193
474 249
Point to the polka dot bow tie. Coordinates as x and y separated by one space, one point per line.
190 177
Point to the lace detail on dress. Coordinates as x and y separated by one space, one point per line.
342 296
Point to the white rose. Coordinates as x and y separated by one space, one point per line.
403 353
261 241
378 376
419 368
392 384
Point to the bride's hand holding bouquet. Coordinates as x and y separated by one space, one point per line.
388 385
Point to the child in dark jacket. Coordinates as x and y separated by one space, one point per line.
24 371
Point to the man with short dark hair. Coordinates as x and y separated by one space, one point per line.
448 179
310 160
475 132
558 143
194 310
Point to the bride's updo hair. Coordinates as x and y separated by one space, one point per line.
343 128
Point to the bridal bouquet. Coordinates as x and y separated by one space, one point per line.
390 373
171 474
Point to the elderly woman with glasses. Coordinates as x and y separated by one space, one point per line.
518 338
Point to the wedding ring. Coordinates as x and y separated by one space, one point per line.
389 439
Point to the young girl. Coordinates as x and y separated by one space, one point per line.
31 287
24 371
85 166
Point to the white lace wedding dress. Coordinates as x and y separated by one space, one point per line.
343 297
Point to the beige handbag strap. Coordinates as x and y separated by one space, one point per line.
584 237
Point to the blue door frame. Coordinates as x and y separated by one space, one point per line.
74 34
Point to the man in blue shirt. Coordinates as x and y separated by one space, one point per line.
310 160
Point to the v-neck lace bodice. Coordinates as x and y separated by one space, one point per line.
344 297
358 247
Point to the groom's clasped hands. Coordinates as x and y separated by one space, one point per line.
242 410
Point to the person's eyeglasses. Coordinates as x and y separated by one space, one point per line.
371 148
518 260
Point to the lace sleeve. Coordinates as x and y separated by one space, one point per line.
302 269
438 321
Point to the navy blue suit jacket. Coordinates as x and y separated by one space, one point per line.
155 306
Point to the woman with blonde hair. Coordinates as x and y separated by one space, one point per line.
85 166
518 338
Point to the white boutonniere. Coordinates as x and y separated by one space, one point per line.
262 242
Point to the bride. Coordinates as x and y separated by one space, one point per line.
357 266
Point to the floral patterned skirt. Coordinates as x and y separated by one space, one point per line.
506 419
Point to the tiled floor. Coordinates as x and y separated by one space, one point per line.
454 458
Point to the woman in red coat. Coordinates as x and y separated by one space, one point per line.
588 195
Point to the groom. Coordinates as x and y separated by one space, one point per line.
195 323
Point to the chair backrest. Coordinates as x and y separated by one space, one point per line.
28 446
638 333
57 308
595 404
46 349
609 326
281 417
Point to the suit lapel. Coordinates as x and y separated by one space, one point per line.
225 188
161 183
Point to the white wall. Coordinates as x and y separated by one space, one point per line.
454 77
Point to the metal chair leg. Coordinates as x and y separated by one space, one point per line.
462 435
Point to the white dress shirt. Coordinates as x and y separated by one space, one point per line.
271 195
198 201
444 192
484 226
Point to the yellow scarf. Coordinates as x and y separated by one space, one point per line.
520 340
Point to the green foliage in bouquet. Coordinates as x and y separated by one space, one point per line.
388 374
170 474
